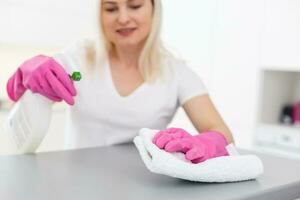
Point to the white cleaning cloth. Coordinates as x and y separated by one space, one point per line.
230 168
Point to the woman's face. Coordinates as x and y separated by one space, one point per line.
126 22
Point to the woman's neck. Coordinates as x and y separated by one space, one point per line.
127 57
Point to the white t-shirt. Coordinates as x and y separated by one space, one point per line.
101 116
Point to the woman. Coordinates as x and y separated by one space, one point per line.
130 81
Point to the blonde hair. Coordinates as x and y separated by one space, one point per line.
153 57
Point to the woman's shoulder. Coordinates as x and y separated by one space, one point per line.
178 66
188 82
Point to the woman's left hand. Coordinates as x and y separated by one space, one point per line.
197 148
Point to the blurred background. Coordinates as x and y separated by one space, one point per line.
246 51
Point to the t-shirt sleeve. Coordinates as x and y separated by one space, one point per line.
189 84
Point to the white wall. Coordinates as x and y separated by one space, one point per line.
281 38
236 58
44 22
188 28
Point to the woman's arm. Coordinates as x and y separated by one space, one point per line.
205 117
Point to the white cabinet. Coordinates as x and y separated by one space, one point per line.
278 88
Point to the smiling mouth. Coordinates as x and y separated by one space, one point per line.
126 31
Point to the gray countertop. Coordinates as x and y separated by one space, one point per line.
117 172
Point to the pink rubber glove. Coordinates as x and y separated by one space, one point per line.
197 148
43 75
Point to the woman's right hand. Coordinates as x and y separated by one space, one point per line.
42 74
